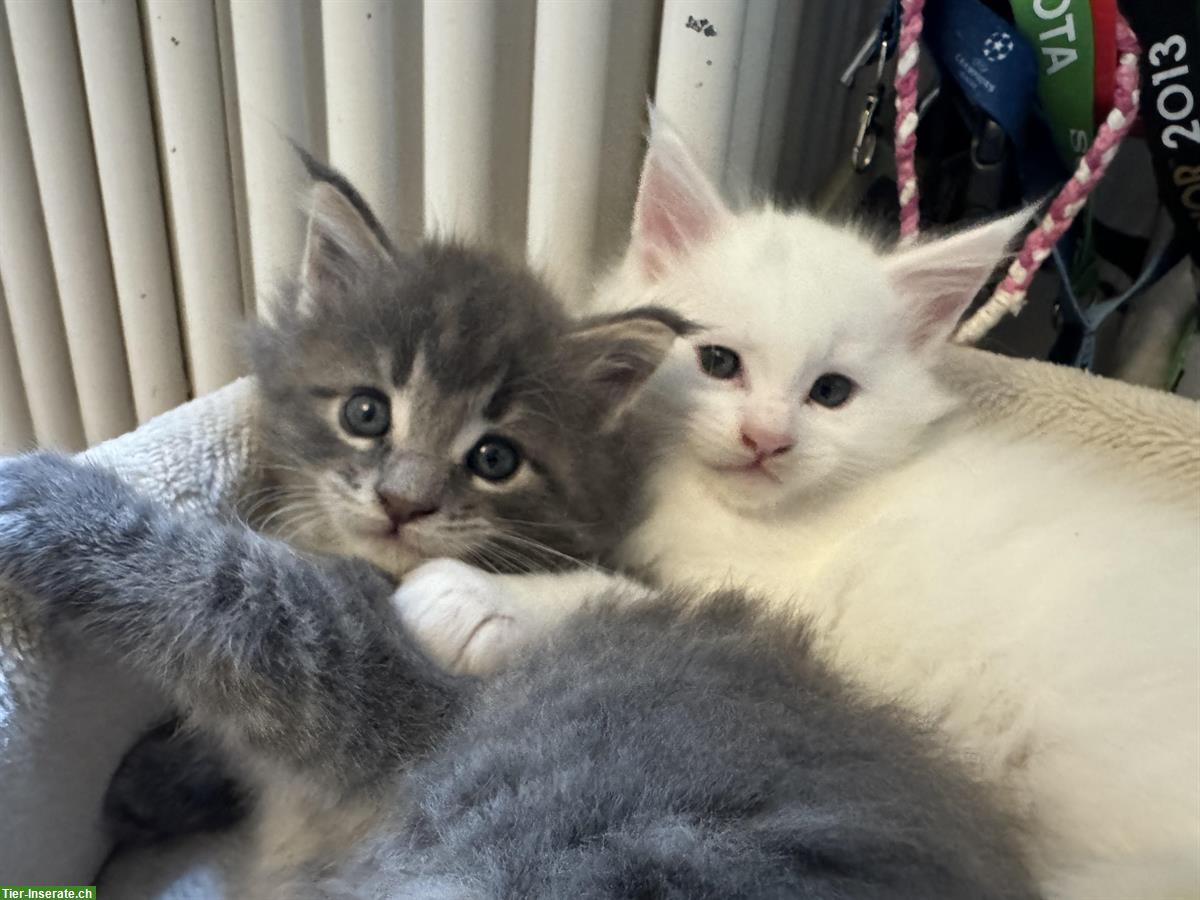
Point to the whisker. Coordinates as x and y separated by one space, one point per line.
311 506
559 526
527 545
293 528
511 559
268 497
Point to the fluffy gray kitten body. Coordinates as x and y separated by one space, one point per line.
658 749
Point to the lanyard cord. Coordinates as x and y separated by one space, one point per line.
908 50
1010 294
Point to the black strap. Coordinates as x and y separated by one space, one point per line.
1169 33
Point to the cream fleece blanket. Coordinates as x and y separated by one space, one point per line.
68 714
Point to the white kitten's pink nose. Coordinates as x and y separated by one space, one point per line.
765 441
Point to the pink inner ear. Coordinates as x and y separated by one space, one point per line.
677 206
671 218
936 318
935 290
939 279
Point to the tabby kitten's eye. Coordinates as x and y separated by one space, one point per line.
831 390
367 413
719 362
493 458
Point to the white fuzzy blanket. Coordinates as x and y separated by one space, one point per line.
68 714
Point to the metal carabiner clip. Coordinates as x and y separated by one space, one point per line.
863 151
864 140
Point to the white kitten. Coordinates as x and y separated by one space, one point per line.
1040 607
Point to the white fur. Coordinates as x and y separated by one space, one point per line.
473 622
1046 620
1041 608
464 619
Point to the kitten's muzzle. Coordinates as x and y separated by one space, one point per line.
412 488
401 509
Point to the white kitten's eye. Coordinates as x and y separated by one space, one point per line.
719 362
831 390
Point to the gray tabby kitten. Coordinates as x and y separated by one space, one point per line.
431 403
440 403
651 750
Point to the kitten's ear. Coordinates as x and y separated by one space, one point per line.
677 206
617 354
939 279
344 238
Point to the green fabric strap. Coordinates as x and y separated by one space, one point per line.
1061 33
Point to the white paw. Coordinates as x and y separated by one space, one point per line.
463 617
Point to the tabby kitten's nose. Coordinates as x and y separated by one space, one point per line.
402 510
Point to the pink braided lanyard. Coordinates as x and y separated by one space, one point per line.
1010 294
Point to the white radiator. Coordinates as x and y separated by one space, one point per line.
149 196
